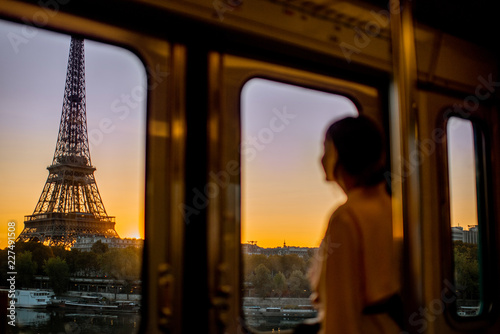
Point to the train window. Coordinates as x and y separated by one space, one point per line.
78 107
285 200
465 224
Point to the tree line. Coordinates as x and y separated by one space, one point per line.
59 264
286 275
276 275
266 276
466 270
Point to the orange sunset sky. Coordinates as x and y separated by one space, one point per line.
284 195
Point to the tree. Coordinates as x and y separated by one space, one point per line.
72 261
122 263
87 264
295 283
298 285
99 248
293 262
58 271
40 253
467 270
286 264
279 284
26 269
59 251
262 281
253 261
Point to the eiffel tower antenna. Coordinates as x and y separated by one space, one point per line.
70 204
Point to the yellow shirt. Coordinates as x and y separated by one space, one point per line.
355 265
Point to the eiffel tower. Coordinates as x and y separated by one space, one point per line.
70 204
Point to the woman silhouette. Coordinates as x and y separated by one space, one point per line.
354 277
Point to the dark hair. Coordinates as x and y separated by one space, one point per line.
360 148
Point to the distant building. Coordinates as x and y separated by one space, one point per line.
253 249
469 236
457 233
85 243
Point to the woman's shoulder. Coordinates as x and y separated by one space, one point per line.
361 205
342 217
341 211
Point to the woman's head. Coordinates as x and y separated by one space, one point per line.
354 148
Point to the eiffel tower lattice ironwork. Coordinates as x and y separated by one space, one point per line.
70 204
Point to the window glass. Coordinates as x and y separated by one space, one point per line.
72 156
465 225
286 202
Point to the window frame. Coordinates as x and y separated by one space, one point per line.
486 249
165 133
228 75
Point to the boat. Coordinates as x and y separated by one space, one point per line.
127 306
32 298
94 302
54 302
91 303
468 311
256 311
